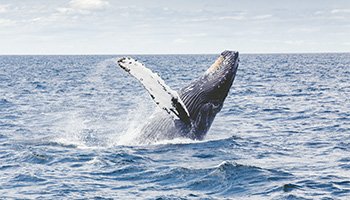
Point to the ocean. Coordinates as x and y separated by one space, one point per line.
67 125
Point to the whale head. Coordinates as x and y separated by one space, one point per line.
205 97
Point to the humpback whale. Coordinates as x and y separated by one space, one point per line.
190 112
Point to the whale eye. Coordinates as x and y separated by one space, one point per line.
216 105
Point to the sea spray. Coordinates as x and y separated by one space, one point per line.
91 124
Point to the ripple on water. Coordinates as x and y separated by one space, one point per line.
62 116
27 179
226 179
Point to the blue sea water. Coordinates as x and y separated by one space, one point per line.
67 125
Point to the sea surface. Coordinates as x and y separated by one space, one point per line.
67 125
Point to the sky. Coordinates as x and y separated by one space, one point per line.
173 27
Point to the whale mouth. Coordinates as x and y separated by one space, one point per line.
225 60
216 65
220 75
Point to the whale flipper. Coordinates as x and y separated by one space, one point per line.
166 98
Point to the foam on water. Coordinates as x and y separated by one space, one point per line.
78 127
133 123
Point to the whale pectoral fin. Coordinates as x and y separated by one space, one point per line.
166 98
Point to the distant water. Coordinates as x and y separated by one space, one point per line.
67 123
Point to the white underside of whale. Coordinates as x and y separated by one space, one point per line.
165 97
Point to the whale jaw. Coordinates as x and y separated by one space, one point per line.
204 97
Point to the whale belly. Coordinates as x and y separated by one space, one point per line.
163 127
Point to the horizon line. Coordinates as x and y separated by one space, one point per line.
116 54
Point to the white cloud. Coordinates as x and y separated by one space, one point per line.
335 11
180 41
304 30
202 19
238 17
261 17
171 26
197 35
6 22
294 42
319 12
83 6
3 8
206 19
88 4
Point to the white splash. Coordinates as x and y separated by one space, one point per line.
90 124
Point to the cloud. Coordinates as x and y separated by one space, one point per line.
238 17
83 6
261 17
202 19
294 42
180 41
217 18
88 4
319 12
197 35
336 11
304 30
6 22
3 8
